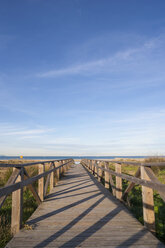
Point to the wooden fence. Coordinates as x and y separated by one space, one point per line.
20 178
144 176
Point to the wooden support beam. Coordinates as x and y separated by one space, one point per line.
41 169
17 205
106 175
131 185
148 203
31 187
118 182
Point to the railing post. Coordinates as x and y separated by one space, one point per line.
17 205
90 165
67 165
55 175
64 167
99 172
41 169
61 169
52 178
58 171
118 182
106 175
148 203
93 167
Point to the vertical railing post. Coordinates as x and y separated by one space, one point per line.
99 172
17 205
93 167
89 165
148 203
58 170
52 177
63 167
55 175
41 169
106 175
118 182
96 175
67 165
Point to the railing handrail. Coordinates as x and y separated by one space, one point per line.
6 190
9 165
144 176
155 186
129 162
20 178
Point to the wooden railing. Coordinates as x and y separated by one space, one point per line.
144 176
20 178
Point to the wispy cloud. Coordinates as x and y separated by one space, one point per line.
12 130
110 63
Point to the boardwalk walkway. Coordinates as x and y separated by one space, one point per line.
80 212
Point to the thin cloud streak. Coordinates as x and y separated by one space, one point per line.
107 64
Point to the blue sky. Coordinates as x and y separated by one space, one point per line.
82 77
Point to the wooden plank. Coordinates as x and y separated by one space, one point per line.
17 205
148 203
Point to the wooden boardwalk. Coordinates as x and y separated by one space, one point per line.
80 212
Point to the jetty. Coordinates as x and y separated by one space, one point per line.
79 210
